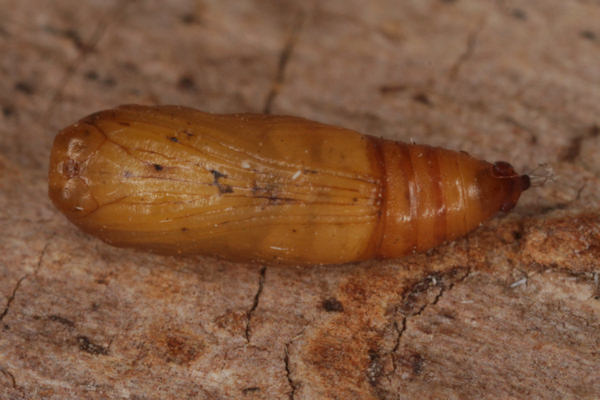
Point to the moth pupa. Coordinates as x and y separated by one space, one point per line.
250 187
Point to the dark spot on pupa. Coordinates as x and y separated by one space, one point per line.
184 229
223 188
122 123
127 174
250 390
174 139
86 345
217 174
332 305
594 131
270 192
158 167
188 133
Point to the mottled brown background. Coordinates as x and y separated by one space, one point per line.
511 311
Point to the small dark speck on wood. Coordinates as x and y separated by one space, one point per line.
587 34
86 345
519 14
332 305
61 320
24 87
422 98
8 110
249 390
186 82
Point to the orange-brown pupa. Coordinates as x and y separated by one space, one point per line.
266 188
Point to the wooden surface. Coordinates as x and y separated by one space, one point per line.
511 311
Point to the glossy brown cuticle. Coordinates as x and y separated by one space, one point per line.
266 188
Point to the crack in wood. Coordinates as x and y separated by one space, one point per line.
562 205
399 332
261 283
533 136
13 294
468 52
85 48
11 298
450 286
10 376
404 322
288 373
573 149
284 58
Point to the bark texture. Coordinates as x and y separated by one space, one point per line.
511 311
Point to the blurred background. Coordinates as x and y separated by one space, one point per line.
494 78
514 80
